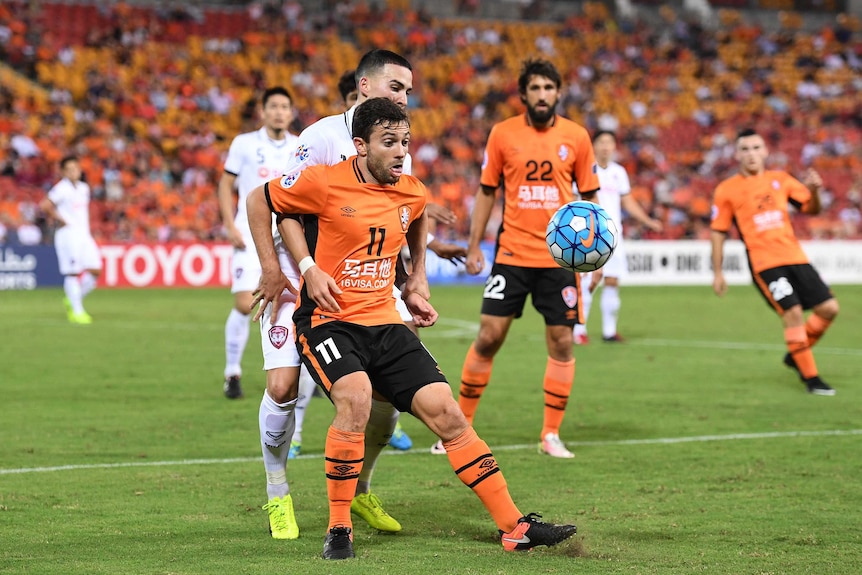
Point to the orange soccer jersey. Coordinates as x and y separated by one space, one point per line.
758 206
361 228
538 168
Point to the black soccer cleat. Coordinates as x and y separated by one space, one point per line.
616 338
530 532
817 386
338 543
232 387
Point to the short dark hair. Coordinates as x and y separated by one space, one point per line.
745 133
347 83
537 67
377 112
67 159
275 91
599 133
374 61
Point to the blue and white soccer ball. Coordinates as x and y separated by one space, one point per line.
581 236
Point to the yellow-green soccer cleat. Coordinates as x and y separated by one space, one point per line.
368 506
282 522
82 318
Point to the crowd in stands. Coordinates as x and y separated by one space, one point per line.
150 97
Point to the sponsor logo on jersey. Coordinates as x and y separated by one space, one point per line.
570 296
564 152
290 179
404 212
278 335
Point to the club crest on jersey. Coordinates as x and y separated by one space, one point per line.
775 184
563 153
278 335
290 179
404 213
570 296
302 152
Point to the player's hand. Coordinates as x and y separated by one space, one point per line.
322 289
595 279
719 285
441 214
235 238
452 252
655 225
475 261
813 181
424 314
272 284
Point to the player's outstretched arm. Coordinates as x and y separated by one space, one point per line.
814 183
482 207
319 285
633 207
272 280
719 285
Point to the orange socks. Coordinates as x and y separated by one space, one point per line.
815 327
797 345
475 466
559 377
344 457
474 379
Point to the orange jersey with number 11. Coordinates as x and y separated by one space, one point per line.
361 228
537 168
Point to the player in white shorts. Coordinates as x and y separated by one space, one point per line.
614 195
328 141
80 262
253 158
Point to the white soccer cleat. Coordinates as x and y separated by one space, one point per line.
438 449
554 446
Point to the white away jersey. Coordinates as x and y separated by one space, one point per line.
73 204
614 184
329 141
255 159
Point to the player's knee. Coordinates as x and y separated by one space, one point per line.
282 384
828 309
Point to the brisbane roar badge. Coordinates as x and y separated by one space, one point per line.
570 296
404 213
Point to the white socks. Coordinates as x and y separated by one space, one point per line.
74 293
584 304
610 310
235 337
306 390
381 424
276 422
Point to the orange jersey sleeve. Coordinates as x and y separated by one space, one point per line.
537 169
758 205
361 229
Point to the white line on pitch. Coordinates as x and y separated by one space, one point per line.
655 441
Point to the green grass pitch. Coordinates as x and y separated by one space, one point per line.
697 451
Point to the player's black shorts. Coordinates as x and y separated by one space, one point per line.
786 286
396 362
554 292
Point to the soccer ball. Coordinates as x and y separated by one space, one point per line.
581 236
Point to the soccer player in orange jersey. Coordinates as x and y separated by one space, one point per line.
537 156
366 208
757 199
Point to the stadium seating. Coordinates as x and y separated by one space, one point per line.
157 95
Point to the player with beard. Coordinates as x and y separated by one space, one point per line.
537 156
